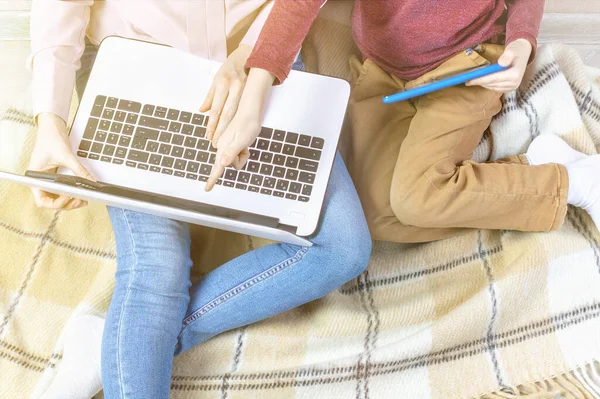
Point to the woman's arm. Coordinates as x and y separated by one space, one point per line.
57 42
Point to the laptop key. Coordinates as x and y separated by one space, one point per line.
230 174
180 164
97 148
177 152
190 142
85 145
112 102
175 127
165 137
266 191
212 158
148 110
179 173
173 114
90 129
317 142
128 129
138 156
200 131
262 144
241 186
193 167
278 194
139 142
279 171
266 169
161 112
152 146
104 125
307 190
282 185
212 148
117 161
185 117
295 187
155 159
189 153
142 166
266 157
112 138
278 135
130 106
288 149
121 152
82 154
269 182
292 162
167 162
120 116
187 129
98 106
291 174
131 164
304 140
167 171
108 113
203 178
154 169
116 127
256 180
308 166
124 141
198 119
109 150
276 146
253 189
177 139
202 156
244 177
306 177
303 199
308 153
253 167
254 155
202 145
227 183
266 133
205 169
132 119
291 138
191 176
105 159
291 196
95 157
154 123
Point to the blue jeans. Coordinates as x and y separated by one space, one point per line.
154 314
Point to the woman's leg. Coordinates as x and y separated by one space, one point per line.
280 277
149 303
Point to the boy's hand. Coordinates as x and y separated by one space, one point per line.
52 150
516 56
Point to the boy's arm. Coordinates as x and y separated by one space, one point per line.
282 36
524 20
57 42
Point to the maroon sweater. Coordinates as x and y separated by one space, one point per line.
406 38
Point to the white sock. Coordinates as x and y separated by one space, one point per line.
548 148
584 185
78 375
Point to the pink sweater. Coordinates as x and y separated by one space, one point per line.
406 38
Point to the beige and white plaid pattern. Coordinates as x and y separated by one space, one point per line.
495 311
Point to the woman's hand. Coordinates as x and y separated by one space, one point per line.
225 93
232 145
52 150
515 56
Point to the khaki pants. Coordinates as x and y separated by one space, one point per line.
411 161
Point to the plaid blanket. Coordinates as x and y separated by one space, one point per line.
494 314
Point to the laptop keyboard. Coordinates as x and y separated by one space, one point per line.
169 141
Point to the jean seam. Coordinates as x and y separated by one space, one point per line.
242 287
127 292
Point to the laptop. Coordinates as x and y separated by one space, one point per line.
139 133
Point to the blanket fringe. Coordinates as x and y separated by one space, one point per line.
579 383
